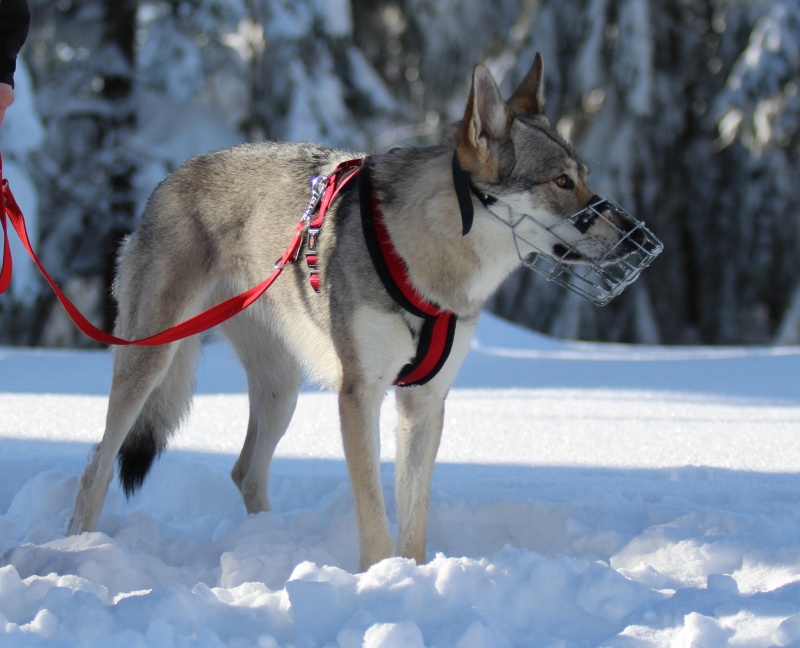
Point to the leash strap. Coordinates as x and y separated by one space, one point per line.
438 329
5 270
196 324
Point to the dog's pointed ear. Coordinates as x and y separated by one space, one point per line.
487 123
528 98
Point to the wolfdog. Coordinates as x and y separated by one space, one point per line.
390 294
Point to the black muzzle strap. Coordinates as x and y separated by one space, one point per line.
462 182
587 216
463 187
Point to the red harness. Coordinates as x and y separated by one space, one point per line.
332 187
438 329
439 326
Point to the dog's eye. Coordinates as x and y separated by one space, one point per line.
564 182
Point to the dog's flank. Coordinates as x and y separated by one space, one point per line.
216 226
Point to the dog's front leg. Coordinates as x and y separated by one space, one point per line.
419 431
421 417
359 410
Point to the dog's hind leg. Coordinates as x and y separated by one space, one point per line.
273 383
150 393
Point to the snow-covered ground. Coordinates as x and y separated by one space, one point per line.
585 495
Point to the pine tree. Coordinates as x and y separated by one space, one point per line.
687 112
83 61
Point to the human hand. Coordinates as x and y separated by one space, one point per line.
6 99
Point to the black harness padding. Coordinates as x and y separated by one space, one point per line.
439 326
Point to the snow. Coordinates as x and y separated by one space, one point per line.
585 495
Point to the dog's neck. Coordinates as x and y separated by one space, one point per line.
424 218
465 190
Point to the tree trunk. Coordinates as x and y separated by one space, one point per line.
86 71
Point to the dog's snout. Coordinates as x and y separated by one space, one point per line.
614 215
619 218
637 236
634 240
632 236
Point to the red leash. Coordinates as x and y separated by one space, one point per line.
196 324
326 199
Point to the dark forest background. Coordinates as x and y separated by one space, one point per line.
687 112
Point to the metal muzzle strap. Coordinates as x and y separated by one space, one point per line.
614 264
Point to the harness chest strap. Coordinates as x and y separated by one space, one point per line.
439 326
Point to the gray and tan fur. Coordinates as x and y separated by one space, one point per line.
215 227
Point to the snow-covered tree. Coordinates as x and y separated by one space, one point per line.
81 55
687 111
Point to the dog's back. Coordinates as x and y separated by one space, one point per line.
211 229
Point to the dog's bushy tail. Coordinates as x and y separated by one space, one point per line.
166 407
136 457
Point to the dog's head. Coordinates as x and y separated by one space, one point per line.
527 176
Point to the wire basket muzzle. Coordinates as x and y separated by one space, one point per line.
607 254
